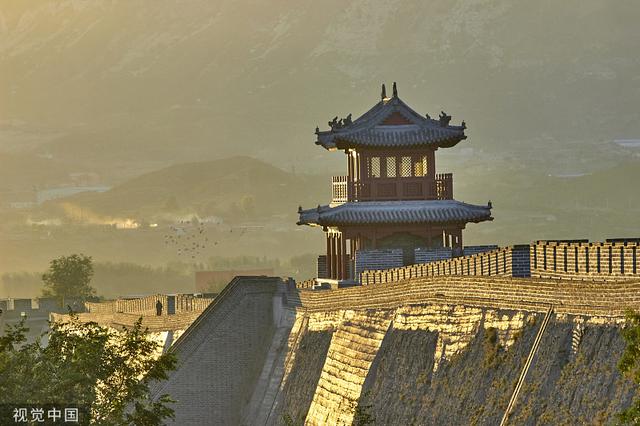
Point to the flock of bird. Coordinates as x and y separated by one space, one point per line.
190 239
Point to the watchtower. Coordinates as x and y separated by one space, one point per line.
391 196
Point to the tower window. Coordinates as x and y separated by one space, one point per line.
391 167
420 167
374 167
405 167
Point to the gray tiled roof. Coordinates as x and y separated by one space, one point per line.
380 212
368 130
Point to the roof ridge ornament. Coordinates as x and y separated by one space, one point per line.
395 90
383 95
444 119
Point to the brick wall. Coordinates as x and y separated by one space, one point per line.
377 259
469 250
506 261
221 355
585 261
425 255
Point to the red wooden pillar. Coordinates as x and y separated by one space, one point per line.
343 256
339 257
335 264
329 256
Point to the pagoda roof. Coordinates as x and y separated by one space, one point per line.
401 212
391 123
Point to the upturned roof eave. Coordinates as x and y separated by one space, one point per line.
457 212
346 137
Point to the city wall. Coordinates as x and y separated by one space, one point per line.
568 260
119 320
434 330
604 261
453 344
221 356
147 305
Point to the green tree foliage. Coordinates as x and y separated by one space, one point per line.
86 365
629 365
68 277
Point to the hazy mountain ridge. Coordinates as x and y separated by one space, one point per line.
237 188
528 205
176 80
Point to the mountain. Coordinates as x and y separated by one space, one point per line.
236 188
528 205
118 83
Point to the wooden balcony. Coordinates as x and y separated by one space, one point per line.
389 189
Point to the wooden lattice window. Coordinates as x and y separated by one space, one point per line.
391 167
374 167
405 167
420 166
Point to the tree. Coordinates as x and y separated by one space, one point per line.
68 277
88 366
629 364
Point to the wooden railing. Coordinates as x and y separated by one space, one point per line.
339 189
443 186
401 188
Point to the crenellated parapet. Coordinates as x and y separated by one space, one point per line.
613 260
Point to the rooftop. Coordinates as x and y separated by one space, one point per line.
380 212
391 123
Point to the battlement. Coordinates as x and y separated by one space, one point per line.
571 297
172 304
178 312
614 260
510 261
118 320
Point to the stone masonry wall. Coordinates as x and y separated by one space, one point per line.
446 362
353 347
424 350
425 255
